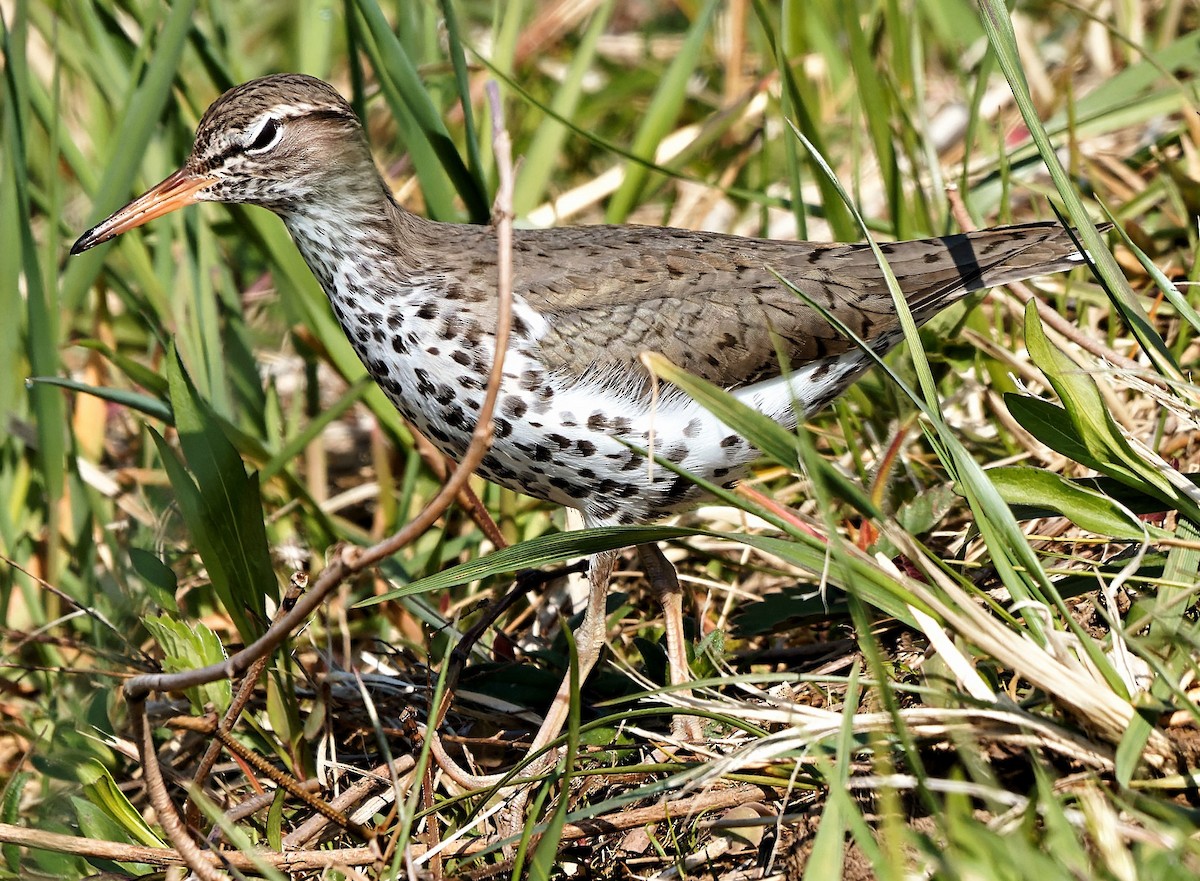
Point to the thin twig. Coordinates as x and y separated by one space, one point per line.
347 563
347 801
97 848
191 812
280 778
502 221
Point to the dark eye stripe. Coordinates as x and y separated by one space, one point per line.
332 113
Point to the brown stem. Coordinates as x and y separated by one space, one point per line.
347 563
191 813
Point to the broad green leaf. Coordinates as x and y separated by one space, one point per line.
189 646
222 507
1093 511
134 370
158 578
102 791
1048 423
1107 450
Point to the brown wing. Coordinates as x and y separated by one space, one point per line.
711 304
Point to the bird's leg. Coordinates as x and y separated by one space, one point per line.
665 583
589 641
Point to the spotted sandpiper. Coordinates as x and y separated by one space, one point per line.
417 300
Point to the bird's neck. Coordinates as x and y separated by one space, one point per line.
358 237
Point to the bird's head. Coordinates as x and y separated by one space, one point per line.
280 141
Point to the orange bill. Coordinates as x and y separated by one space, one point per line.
177 191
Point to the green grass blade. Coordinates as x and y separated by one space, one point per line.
400 77
463 85
42 305
150 406
1004 44
1107 448
662 114
1048 492
141 116
538 162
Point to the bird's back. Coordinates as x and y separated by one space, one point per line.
715 305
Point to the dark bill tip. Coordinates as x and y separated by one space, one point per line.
89 239
177 191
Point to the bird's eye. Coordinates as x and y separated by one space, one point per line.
265 136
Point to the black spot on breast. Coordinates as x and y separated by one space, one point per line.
574 490
676 453
678 489
603 509
514 406
427 311
585 447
